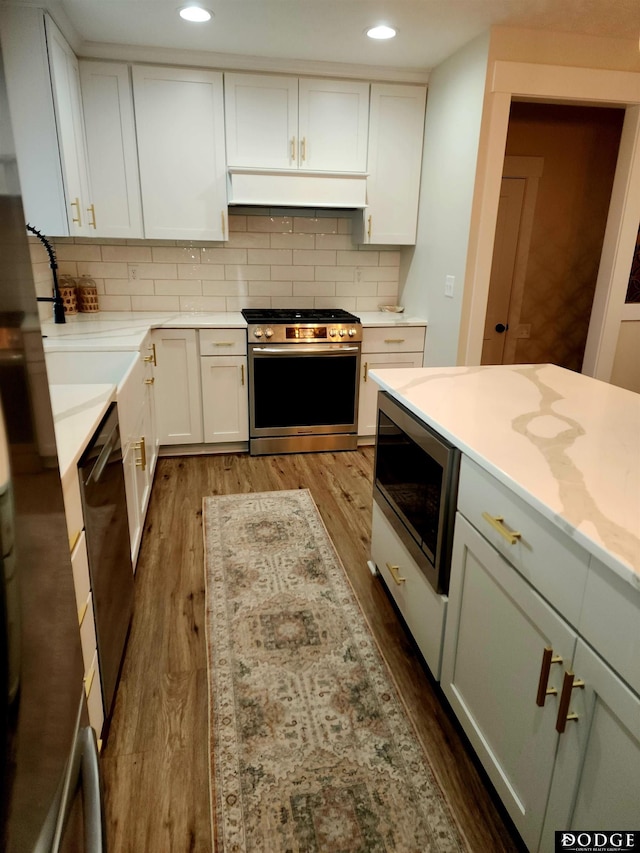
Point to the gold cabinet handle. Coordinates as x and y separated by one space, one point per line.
223 343
544 690
569 684
141 461
394 340
395 574
150 381
91 210
303 149
497 522
293 149
242 374
369 227
224 223
77 219
151 359
366 371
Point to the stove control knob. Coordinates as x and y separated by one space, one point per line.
268 332
352 332
257 333
332 333
342 332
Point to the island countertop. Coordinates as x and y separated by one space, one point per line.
569 445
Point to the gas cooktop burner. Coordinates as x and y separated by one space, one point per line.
297 315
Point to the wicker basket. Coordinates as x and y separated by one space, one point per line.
87 295
69 293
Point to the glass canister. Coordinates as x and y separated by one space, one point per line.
69 293
87 295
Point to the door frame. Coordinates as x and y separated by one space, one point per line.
549 83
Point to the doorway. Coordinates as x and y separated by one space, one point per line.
546 260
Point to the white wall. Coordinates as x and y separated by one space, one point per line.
452 131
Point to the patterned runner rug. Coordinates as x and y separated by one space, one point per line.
311 747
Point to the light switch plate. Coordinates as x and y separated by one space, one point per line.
449 281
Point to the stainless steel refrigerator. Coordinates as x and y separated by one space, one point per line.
49 774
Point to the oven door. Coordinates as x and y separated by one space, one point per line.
300 389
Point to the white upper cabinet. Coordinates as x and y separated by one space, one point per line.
65 82
396 130
180 129
261 116
111 148
282 123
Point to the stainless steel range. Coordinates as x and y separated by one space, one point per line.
303 379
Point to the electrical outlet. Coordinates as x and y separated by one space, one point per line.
449 281
133 272
523 330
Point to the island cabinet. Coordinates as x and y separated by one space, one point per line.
384 347
178 391
223 371
553 723
275 122
179 118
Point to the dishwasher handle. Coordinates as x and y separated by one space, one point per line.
103 458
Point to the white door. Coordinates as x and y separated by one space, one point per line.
225 405
496 634
333 125
396 130
505 251
596 783
177 386
111 148
180 130
65 79
261 119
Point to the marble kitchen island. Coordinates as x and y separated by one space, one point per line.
540 655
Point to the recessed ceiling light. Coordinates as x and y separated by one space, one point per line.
382 31
195 14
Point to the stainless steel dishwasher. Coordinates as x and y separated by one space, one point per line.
107 531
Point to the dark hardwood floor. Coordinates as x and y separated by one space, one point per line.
155 760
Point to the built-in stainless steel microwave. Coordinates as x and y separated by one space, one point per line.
416 486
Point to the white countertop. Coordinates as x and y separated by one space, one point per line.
77 411
110 331
567 444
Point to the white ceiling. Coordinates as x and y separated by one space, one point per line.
333 30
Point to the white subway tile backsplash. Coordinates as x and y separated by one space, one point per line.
275 257
302 257
155 303
129 254
172 287
203 303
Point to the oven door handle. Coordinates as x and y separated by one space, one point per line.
290 349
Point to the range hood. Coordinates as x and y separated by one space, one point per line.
297 188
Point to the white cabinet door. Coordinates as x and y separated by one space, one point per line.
333 125
396 130
111 148
65 80
177 386
497 631
368 400
596 782
261 119
180 131
277 122
225 405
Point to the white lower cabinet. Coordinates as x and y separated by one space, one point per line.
384 347
596 779
422 608
225 406
178 393
498 628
